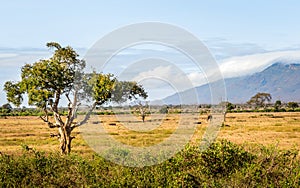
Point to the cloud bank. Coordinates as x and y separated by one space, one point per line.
249 64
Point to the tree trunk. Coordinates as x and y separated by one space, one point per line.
65 140
225 116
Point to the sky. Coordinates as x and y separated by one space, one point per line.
248 34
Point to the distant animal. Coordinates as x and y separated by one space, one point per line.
209 117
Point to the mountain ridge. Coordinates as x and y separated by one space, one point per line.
280 79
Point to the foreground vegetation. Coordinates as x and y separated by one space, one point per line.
222 164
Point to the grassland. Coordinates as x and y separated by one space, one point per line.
280 129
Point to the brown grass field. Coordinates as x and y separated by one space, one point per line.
279 129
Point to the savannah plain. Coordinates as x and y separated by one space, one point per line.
278 129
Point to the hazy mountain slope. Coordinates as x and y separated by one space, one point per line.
281 80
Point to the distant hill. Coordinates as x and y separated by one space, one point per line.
281 80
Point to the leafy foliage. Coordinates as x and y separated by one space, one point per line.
164 110
293 105
223 158
46 79
277 105
260 99
264 167
13 93
229 106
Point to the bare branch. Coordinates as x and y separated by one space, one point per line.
46 120
58 119
54 107
50 124
86 118
74 106
72 109
67 95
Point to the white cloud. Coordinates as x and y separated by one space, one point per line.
197 78
7 55
167 74
162 81
249 64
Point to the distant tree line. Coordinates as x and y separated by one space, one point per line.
260 102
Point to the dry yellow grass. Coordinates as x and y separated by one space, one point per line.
32 131
282 129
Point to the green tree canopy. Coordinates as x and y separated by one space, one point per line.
292 105
260 99
277 104
46 82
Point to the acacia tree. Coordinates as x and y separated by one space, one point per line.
7 107
142 110
292 105
260 99
277 105
47 82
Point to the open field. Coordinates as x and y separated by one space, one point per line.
280 129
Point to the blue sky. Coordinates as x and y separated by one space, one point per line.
234 31
269 23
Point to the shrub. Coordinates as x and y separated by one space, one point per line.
223 164
223 158
164 110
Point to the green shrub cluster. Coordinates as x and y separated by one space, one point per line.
38 112
266 110
21 112
223 164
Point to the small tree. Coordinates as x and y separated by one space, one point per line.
260 100
46 82
5 110
277 105
292 105
142 109
229 106
7 107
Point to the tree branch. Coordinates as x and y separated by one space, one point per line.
50 124
87 116
46 120
67 95
72 109
54 106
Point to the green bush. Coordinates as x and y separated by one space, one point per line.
223 164
223 158
164 110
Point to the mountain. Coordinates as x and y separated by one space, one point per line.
281 80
